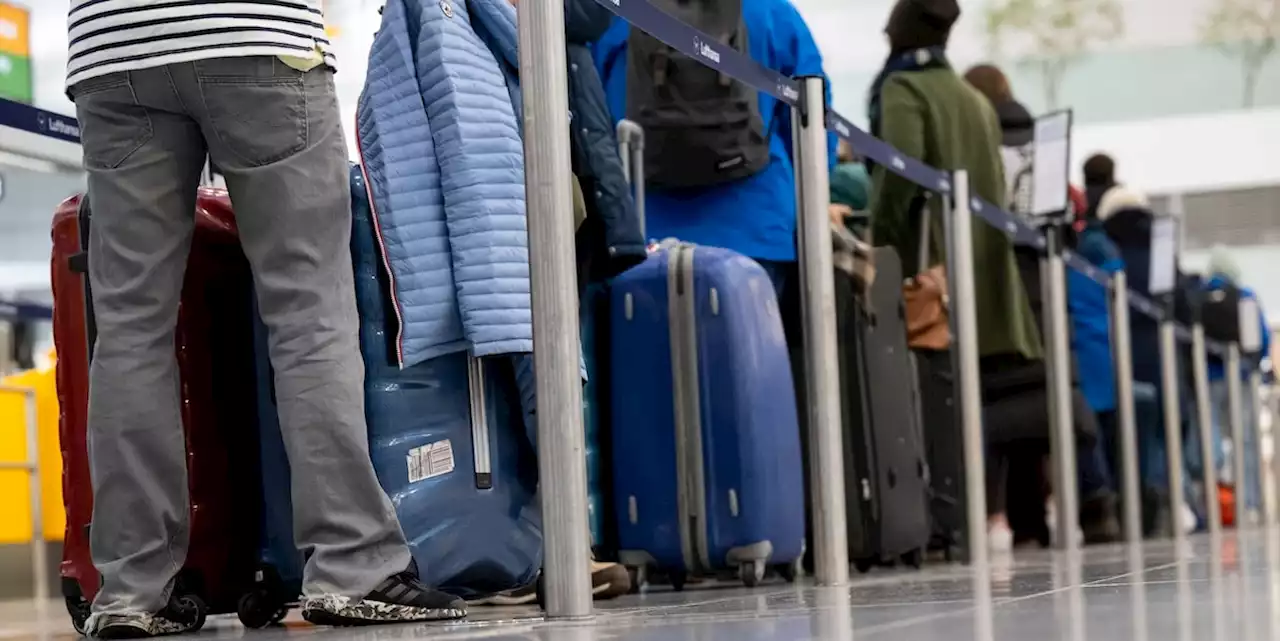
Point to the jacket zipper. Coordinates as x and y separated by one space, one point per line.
382 249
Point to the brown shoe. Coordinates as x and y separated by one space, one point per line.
609 580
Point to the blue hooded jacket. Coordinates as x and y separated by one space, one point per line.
1091 319
755 216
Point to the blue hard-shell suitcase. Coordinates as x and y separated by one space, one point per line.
278 581
707 465
448 443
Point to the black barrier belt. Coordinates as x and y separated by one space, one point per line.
24 311
710 52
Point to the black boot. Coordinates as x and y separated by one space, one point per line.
1099 518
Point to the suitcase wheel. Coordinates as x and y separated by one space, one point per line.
193 602
791 571
261 607
864 565
751 572
77 606
914 558
678 579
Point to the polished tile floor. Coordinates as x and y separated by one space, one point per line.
1225 590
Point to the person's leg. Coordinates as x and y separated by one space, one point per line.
143 159
778 272
274 133
1099 517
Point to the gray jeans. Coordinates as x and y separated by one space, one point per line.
274 133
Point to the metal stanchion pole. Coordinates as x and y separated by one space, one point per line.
39 564
553 280
1204 419
1122 353
822 373
1235 418
1169 394
1062 423
969 382
1266 491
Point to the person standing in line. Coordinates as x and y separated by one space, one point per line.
158 87
921 106
745 199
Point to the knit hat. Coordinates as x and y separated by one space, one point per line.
1222 264
916 24
1120 198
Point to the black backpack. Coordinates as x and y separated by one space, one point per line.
1220 314
701 127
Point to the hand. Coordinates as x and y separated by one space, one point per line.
838 213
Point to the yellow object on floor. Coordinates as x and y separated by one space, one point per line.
15 497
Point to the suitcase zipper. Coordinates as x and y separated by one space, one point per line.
479 424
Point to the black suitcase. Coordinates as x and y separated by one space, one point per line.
944 450
886 472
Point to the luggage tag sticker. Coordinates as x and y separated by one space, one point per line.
430 460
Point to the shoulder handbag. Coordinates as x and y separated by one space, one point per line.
926 299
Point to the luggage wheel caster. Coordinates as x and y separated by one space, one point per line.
751 573
791 571
639 579
678 579
261 607
191 601
78 607
541 591
864 565
914 558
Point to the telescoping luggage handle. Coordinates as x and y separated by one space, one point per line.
79 264
631 148
479 424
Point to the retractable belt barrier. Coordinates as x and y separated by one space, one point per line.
14 311
712 53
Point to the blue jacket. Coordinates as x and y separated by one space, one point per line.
615 244
1215 365
1091 319
755 216
444 162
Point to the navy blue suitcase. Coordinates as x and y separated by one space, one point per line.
448 442
278 580
705 433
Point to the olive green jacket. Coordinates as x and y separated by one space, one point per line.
937 117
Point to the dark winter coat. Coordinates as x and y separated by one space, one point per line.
610 239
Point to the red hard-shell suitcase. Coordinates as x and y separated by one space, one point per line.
215 360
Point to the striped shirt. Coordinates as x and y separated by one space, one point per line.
106 36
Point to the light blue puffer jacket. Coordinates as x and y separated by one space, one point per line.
444 164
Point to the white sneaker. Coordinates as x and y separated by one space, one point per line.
999 538
1187 517
1051 521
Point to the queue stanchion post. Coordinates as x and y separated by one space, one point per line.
1058 356
1235 418
553 284
1122 353
1204 421
1170 395
1267 495
822 393
968 375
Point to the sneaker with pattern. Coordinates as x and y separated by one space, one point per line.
401 598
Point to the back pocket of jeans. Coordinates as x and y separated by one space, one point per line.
257 108
112 124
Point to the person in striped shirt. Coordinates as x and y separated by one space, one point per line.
160 86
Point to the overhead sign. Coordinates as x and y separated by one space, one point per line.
15 53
